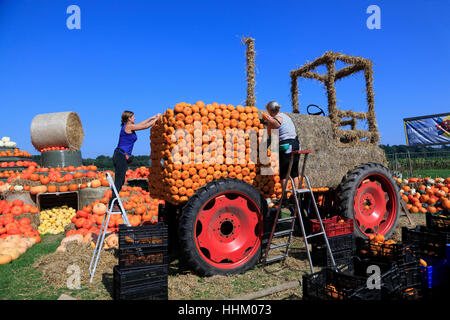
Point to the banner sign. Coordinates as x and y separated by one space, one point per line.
428 130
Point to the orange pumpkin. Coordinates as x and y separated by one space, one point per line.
99 209
95 183
104 183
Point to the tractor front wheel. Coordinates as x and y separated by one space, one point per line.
221 228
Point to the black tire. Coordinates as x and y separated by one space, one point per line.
187 225
347 191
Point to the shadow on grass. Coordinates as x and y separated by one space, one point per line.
108 282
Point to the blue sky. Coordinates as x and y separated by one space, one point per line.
146 56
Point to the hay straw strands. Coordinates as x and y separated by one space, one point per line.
250 58
59 129
357 64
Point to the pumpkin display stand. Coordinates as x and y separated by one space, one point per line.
143 183
61 159
89 195
25 196
35 219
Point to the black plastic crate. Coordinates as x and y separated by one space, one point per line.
143 236
130 278
361 265
330 284
390 277
436 293
430 242
142 183
142 257
338 243
439 221
384 252
406 284
322 257
152 292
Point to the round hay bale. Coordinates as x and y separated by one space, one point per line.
35 219
70 226
25 196
89 195
62 129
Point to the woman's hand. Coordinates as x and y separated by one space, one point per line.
153 119
144 124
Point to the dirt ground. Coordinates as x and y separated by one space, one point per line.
183 284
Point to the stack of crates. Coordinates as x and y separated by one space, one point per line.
338 284
400 260
434 246
340 236
142 273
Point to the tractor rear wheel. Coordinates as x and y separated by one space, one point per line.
370 196
221 227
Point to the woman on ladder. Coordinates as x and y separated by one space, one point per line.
123 153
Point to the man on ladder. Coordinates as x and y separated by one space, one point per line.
288 140
289 156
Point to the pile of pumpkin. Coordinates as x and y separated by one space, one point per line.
6 164
16 232
207 156
425 195
139 173
54 220
15 153
16 208
57 180
13 246
140 207
12 166
53 149
111 241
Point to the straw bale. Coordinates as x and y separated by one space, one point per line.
62 129
54 266
250 56
330 161
356 64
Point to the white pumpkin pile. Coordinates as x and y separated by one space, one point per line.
7 143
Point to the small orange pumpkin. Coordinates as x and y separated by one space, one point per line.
95 183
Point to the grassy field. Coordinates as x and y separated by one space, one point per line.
20 281
433 173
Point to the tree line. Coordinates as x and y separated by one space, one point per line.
105 162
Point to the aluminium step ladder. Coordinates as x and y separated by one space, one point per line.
104 227
296 214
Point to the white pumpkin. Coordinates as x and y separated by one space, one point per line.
6 139
4 187
18 188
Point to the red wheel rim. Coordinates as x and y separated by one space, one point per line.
228 230
375 205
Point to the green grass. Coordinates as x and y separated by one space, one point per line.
433 173
20 281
